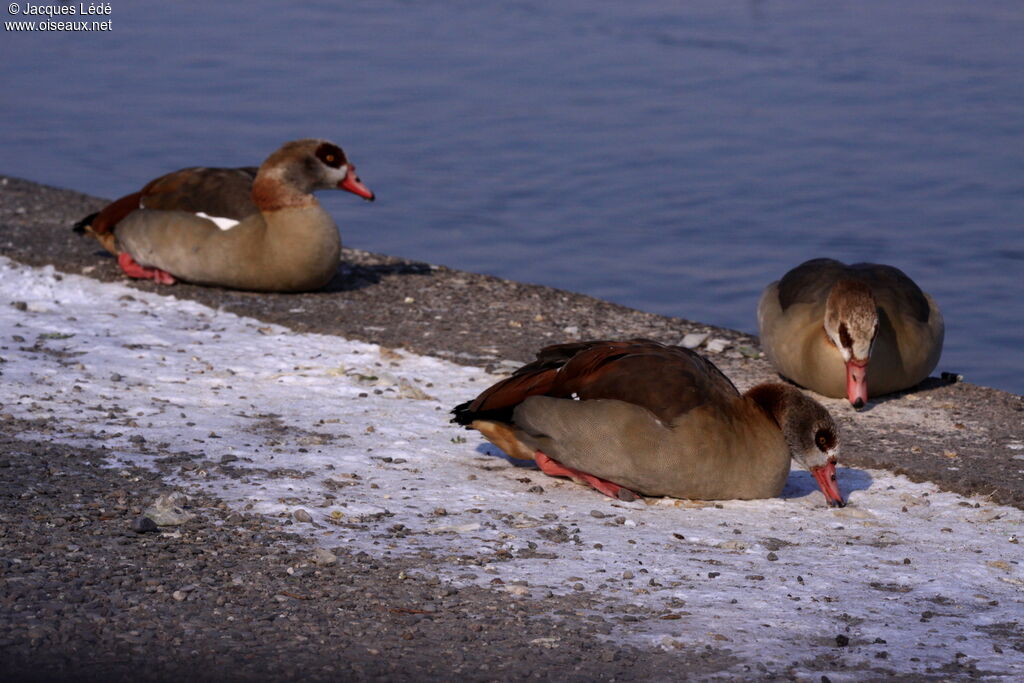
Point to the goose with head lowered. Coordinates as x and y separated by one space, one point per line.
243 228
642 417
855 331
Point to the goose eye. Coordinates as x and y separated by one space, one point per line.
823 440
329 154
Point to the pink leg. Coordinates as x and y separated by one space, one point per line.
555 469
131 268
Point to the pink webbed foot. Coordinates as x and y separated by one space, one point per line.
131 268
555 469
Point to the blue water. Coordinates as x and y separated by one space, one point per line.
675 157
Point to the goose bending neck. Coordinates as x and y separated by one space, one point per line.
774 399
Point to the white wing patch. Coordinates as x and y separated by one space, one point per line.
219 221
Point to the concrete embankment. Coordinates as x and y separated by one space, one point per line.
964 437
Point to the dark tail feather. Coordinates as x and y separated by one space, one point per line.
465 415
462 414
81 225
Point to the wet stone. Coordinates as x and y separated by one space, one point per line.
168 510
324 558
143 524
771 543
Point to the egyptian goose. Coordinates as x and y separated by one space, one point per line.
823 322
639 416
244 228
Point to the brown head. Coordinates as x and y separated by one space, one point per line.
298 168
809 430
851 323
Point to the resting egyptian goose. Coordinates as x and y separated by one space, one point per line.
244 228
823 322
639 416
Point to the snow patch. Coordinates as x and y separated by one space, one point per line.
906 577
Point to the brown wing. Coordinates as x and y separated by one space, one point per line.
533 379
667 380
895 292
810 281
223 192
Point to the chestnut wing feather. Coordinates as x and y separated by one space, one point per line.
222 192
104 220
667 380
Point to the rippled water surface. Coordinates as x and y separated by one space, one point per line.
675 157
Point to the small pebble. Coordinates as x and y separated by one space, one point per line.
717 345
842 641
167 510
694 340
301 515
324 558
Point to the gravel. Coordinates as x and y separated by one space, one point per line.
224 597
